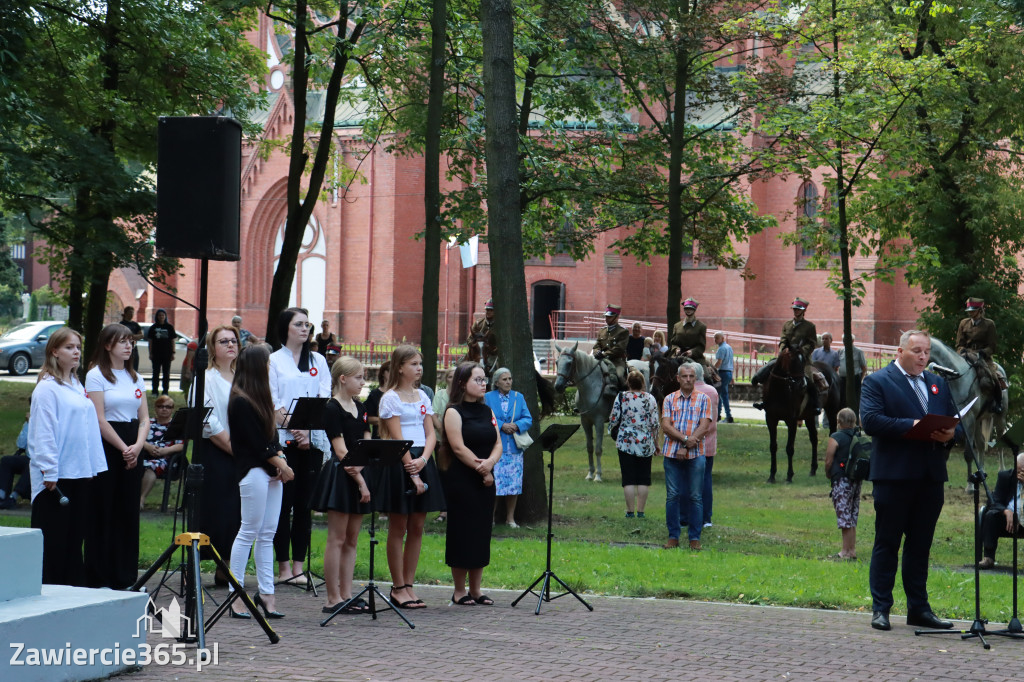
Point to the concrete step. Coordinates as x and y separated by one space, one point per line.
21 571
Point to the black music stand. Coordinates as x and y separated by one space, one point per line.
553 438
380 454
307 414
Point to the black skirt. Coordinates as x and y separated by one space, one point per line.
398 492
335 490
220 502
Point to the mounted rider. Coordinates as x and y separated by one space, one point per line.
689 335
610 350
976 341
482 331
799 336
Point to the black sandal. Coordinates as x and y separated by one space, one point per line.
483 600
465 600
411 604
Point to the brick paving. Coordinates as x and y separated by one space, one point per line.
622 639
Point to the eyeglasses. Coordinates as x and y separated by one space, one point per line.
165 407
228 342
480 380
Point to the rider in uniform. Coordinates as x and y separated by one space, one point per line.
689 335
610 349
976 341
798 335
483 330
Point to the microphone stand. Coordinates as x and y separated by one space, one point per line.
977 628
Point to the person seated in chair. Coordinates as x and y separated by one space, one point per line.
15 465
976 341
799 335
157 451
1000 519
610 349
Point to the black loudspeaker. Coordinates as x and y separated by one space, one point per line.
198 187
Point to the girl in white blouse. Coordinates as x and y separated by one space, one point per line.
220 503
297 372
413 488
119 394
67 453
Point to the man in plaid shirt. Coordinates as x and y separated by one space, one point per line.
685 419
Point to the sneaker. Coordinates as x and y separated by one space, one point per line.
707 525
987 563
641 515
728 420
629 515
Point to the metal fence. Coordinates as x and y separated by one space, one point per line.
373 353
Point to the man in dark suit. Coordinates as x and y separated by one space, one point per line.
1002 517
908 476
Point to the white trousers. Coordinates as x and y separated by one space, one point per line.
261 507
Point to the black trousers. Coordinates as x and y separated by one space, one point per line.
112 542
904 511
64 530
11 466
295 523
161 366
993 527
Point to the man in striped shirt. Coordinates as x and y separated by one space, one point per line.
685 419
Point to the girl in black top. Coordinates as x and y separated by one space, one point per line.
341 490
262 471
472 434
373 400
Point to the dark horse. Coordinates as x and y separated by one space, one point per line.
785 400
663 376
546 395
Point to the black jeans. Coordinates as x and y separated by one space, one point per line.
295 523
161 366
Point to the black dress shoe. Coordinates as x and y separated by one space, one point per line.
880 620
927 619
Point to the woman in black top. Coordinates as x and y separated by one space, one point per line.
341 490
160 336
635 343
471 432
262 471
372 403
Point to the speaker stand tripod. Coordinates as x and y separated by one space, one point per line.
553 438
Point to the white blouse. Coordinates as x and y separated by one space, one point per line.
217 391
288 383
64 432
411 415
121 400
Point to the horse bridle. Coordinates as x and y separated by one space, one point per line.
572 363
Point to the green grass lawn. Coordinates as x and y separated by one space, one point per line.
768 545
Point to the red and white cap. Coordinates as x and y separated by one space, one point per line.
489 305
691 303
611 310
975 304
799 304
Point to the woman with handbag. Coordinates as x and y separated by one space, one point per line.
510 409
634 426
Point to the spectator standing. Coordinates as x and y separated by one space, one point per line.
635 343
845 493
710 447
161 336
635 412
724 365
825 354
67 455
513 417
136 330
685 419
860 370
119 394
246 337
373 400
439 404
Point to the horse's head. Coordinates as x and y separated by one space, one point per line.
564 366
791 362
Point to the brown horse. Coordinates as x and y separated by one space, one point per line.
785 400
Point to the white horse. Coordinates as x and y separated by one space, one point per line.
577 368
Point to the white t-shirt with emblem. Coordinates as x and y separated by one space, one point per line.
288 383
122 398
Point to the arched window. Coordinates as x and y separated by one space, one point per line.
809 203
308 286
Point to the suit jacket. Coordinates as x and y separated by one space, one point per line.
1006 486
888 408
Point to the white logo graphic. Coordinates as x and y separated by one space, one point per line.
166 622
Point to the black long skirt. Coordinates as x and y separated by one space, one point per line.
220 503
112 540
64 529
467 542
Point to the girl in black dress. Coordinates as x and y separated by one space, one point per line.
341 490
471 432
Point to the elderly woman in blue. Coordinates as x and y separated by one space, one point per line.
510 409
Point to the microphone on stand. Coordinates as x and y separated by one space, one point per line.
944 372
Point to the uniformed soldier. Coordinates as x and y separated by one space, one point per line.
483 330
689 335
976 341
798 336
610 349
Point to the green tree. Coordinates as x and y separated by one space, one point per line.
77 123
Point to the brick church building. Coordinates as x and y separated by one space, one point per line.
361 268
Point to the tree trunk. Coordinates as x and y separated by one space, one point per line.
675 207
432 193
504 232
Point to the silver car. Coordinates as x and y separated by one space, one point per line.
24 347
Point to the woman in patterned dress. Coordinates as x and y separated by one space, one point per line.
510 409
635 412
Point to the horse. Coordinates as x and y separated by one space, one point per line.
577 368
980 422
785 400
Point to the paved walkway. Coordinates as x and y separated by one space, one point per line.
622 639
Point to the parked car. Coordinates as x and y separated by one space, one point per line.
23 347
180 347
